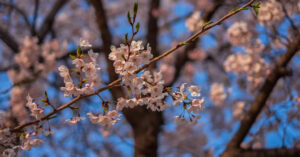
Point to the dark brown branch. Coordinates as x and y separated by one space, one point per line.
105 34
152 30
35 15
5 68
276 152
50 18
263 95
9 40
19 10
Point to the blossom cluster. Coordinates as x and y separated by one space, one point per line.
86 65
194 22
239 34
146 88
8 141
36 111
34 62
105 120
34 58
249 63
238 109
253 66
270 12
217 94
25 141
193 105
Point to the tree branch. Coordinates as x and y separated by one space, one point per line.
19 10
35 15
276 152
49 20
9 40
105 34
152 32
263 95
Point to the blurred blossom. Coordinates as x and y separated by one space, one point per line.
197 54
217 94
238 109
239 34
167 72
270 12
194 22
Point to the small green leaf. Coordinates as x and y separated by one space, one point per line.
135 9
207 23
105 106
126 38
72 56
46 94
168 89
81 56
137 27
233 10
256 11
182 43
76 71
129 18
78 51
19 134
74 108
123 56
255 7
84 80
44 100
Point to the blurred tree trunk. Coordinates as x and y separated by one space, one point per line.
145 123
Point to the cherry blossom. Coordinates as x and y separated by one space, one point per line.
239 34
194 22
196 106
28 144
36 111
84 43
194 90
74 120
90 69
34 62
270 12
106 120
238 109
9 153
217 94
250 64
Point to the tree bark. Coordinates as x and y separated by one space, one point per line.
145 123
277 152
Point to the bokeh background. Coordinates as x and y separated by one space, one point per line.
56 26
